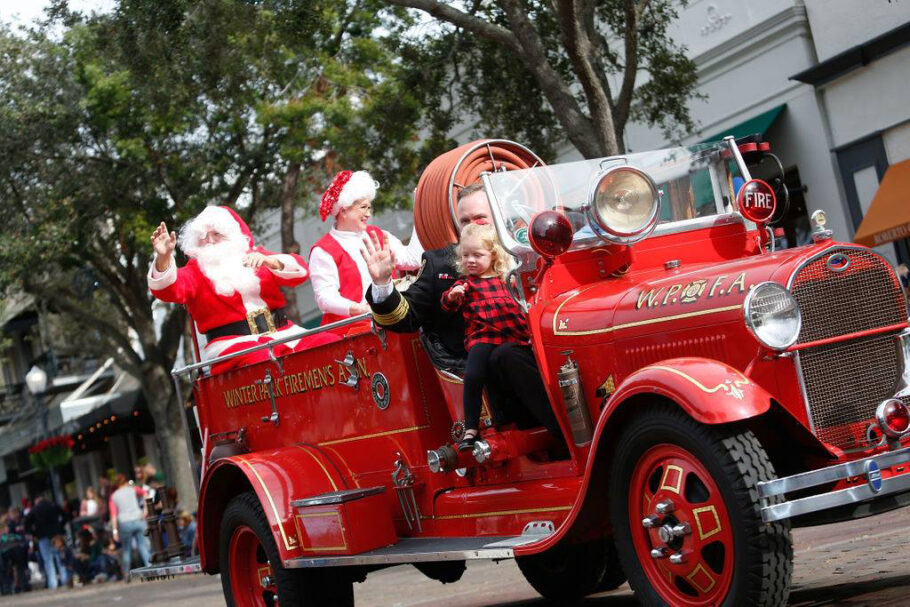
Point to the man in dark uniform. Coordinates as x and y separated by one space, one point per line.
419 308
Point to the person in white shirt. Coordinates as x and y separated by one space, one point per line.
337 269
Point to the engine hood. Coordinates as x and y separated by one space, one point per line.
656 300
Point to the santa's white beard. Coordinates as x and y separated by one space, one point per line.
222 263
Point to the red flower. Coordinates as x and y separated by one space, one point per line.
330 197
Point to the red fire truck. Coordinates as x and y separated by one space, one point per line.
712 392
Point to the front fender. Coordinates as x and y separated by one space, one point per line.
277 477
709 391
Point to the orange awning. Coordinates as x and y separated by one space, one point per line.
888 218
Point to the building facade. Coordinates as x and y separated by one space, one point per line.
826 81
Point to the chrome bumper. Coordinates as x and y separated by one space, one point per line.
869 468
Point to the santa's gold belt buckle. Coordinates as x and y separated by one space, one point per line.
260 321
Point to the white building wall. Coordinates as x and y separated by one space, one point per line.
874 98
897 143
838 25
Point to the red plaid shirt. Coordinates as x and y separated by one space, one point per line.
491 316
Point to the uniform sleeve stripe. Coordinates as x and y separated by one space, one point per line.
395 316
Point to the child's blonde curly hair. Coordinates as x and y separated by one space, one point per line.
486 235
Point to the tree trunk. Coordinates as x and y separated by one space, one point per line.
288 244
178 461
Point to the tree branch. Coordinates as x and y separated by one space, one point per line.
624 101
63 300
579 128
579 48
466 21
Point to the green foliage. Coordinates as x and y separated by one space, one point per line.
465 76
116 122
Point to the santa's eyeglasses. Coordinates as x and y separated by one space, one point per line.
211 237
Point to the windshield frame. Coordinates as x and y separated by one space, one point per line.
526 258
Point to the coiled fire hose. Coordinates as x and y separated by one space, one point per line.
437 191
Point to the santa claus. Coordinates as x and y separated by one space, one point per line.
340 275
230 286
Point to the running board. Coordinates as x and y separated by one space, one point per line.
426 549
154 572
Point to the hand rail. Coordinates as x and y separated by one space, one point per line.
268 346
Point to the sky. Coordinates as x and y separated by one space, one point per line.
21 12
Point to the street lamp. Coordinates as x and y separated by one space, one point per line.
36 381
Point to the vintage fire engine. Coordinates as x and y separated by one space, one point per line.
712 392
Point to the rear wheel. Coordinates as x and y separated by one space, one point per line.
570 572
251 571
686 514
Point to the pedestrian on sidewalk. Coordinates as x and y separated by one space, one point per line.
128 522
44 521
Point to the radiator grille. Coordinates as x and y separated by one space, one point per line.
864 296
846 381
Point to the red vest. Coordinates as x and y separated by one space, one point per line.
351 286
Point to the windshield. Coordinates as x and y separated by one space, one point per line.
695 181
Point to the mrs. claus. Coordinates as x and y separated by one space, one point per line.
339 272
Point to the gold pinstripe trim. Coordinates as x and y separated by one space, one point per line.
730 388
396 315
322 514
650 321
316 459
564 302
377 435
288 544
346 465
502 513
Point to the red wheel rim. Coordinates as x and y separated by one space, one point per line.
252 581
670 474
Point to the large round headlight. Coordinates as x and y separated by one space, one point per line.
773 315
623 205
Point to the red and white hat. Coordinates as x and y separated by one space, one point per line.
346 188
221 219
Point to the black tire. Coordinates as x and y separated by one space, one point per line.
304 587
731 459
567 573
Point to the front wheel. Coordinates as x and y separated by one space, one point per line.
686 514
251 570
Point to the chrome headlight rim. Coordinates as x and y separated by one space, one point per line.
747 316
610 233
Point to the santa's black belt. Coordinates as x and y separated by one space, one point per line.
257 322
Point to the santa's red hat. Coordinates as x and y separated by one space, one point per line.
221 219
346 188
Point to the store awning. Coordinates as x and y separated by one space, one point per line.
888 217
756 124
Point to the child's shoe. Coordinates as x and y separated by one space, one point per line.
467 443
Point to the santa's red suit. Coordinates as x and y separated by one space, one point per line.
225 316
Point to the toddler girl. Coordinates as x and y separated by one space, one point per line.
491 315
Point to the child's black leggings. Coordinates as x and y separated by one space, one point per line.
476 373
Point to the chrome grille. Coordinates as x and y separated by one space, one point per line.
846 381
863 296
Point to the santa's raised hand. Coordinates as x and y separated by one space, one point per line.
379 257
164 244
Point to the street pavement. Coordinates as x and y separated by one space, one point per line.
856 563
